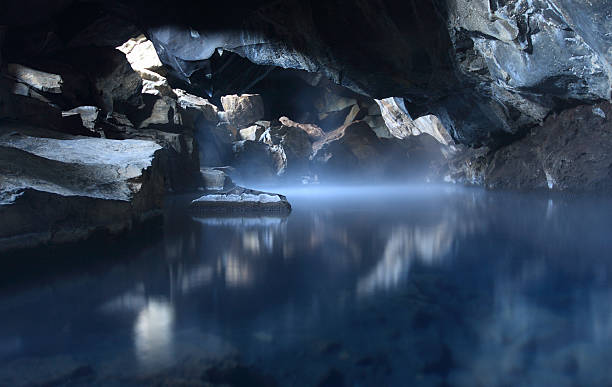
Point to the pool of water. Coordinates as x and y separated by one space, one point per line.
359 286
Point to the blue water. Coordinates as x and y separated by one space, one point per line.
380 286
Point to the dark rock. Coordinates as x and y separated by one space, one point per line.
116 85
254 161
570 152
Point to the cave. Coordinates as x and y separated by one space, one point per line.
305 193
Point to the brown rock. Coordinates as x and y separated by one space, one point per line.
242 110
313 131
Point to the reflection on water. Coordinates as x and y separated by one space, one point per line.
422 286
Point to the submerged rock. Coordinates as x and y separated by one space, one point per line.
63 189
240 199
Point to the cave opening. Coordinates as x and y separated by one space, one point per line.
305 193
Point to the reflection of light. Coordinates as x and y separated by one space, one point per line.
153 333
196 278
236 273
405 245
250 242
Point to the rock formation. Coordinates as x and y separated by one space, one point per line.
57 188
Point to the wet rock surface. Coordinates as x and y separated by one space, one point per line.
241 200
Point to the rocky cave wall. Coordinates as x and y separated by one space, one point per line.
510 94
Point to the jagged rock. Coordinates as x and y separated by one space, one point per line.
72 123
39 80
401 125
88 115
570 152
63 189
313 131
115 83
141 54
378 125
180 164
216 145
156 112
194 105
242 110
252 133
352 147
242 200
35 112
297 149
356 113
254 161
143 58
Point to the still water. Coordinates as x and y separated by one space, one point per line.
386 286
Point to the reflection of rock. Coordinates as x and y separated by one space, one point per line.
404 247
153 334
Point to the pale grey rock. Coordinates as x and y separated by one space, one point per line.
55 190
39 80
401 125
242 200
214 180
252 133
141 54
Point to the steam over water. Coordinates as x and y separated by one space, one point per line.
371 286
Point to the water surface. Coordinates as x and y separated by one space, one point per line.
380 286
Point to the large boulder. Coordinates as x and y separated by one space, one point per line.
242 110
571 151
254 162
143 58
243 201
116 85
65 188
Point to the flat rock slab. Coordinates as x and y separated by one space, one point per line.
55 190
242 200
